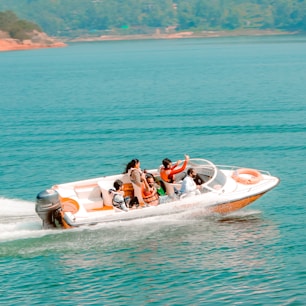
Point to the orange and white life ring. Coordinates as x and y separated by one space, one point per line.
70 205
247 176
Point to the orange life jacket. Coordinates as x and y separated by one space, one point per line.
164 174
150 197
167 175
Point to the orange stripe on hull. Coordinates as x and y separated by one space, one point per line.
104 207
233 206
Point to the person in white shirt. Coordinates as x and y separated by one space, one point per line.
189 186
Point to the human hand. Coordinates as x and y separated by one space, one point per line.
187 157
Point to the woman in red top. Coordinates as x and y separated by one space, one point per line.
168 170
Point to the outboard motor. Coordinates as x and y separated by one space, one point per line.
48 208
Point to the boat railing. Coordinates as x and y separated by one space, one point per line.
214 187
199 162
204 163
219 190
233 168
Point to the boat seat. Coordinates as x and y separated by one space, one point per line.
180 176
107 197
90 196
92 205
128 190
91 191
138 194
170 188
125 178
105 186
131 190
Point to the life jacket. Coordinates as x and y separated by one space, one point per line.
150 197
118 200
165 176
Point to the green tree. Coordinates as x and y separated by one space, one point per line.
65 17
15 27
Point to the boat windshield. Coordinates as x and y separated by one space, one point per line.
218 181
212 177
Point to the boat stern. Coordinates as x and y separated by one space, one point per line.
48 208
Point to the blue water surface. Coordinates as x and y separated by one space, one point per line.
85 110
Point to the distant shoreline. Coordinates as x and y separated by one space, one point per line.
9 44
180 35
6 45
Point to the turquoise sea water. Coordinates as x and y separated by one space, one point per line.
86 110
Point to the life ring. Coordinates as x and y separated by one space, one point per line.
70 205
247 176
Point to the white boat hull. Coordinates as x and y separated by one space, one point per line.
84 202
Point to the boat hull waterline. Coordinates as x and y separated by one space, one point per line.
89 202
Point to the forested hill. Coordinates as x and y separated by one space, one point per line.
19 34
76 17
15 27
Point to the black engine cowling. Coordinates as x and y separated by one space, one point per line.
48 208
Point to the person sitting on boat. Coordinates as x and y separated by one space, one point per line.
119 201
135 173
168 170
160 186
189 187
150 193
137 177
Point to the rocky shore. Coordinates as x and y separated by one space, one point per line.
37 40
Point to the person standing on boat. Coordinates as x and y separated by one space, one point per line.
168 170
118 199
189 187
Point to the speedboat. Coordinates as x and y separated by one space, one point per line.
223 190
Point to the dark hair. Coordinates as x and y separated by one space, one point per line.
189 171
149 175
166 162
131 164
117 184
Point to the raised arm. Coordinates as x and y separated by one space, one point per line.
176 170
